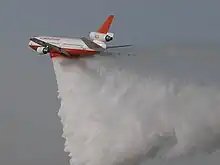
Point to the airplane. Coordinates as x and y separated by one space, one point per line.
76 47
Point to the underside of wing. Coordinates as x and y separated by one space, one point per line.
50 46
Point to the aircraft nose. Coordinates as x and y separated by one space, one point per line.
32 45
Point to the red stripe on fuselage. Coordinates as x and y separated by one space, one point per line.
76 52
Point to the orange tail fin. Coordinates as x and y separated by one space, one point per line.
106 25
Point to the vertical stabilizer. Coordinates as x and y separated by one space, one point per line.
106 25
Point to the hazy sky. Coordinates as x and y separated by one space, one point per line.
29 127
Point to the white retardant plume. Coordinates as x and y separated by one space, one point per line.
111 116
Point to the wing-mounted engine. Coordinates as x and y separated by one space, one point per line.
42 50
101 36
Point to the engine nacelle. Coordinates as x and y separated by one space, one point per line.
42 50
101 37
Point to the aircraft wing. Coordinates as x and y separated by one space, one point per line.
45 44
117 46
92 45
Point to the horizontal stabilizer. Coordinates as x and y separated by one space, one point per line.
117 46
91 44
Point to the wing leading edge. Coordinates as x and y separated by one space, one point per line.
50 46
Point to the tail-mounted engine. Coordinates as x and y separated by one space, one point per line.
42 50
101 36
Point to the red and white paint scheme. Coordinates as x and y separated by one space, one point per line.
76 47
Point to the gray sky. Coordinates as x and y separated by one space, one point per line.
28 118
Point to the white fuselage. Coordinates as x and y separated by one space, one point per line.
65 43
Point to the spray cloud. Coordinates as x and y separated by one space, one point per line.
111 116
